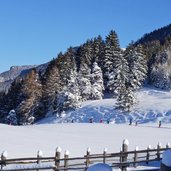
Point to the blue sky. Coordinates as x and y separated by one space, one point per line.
35 31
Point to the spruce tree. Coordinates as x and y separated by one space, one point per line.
137 65
112 53
51 87
125 94
69 96
84 81
97 82
98 51
86 53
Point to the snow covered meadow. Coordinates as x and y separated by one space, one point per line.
153 105
52 132
25 141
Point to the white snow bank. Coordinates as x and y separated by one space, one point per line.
28 166
166 160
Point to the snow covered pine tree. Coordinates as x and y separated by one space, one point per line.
97 82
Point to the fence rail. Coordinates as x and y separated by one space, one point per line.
122 159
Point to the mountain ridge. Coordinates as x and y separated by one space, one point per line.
7 77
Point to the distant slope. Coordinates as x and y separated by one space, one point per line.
159 34
157 47
14 72
154 105
7 77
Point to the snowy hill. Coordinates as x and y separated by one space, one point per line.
153 105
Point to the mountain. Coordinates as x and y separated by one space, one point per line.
161 35
7 77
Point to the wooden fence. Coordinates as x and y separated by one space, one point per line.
122 159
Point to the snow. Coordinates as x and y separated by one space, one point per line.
168 145
40 153
149 147
166 160
125 142
50 137
67 152
28 167
159 144
136 148
58 149
105 149
153 105
4 154
88 149
100 167
25 141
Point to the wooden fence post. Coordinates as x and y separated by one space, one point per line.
104 155
167 145
57 157
87 157
124 156
148 154
4 156
66 163
120 156
39 156
135 157
158 150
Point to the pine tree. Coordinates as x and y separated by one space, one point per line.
52 86
84 80
69 96
161 77
137 65
31 91
98 51
87 53
125 94
97 82
112 53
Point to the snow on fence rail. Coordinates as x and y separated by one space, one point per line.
122 159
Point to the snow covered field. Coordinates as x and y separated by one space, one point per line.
27 140
153 105
46 135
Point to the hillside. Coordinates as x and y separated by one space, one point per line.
7 77
160 35
157 45
153 106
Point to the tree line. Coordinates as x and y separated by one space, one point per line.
87 72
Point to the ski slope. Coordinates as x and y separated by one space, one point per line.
153 105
